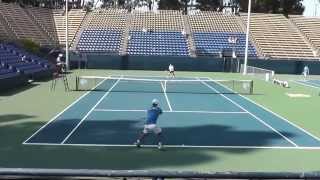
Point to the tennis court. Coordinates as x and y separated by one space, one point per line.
314 83
198 112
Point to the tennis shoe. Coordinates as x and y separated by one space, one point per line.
160 146
137 144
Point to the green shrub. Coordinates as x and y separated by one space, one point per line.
30 46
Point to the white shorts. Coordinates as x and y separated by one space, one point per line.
151 128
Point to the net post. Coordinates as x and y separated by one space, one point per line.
233 85
251 87
77 83
165 86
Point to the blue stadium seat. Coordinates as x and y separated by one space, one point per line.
34 66
100 41
157 44
212 43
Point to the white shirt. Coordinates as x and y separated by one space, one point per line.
171 68
59 62
306 69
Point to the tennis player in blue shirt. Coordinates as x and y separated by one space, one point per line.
151 124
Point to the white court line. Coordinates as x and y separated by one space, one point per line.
165 94
315 84
105 95
202 112
68 107
305 84
257 118
181 146
281 117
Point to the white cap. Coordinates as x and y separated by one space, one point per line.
155 101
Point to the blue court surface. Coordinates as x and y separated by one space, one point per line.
202 116
309 83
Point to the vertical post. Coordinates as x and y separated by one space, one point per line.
67 33
77 83
247 40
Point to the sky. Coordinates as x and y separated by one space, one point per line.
312 8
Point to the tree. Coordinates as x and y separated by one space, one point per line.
292 7
274 6
141 3
185 5
108 3
174 5
169 5
206 5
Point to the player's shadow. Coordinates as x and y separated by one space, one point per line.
124 132
13 117
18 89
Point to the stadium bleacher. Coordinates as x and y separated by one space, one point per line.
5 32
158 34
6 72
76 17
32 66
103 32
163 32
310 27
44 18
100 41
157 43
211 32
212 43
276 37
21 24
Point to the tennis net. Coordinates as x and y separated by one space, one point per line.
193 86
261 73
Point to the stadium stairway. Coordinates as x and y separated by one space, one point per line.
190 41
42 17
243 26
77 32
21 24
76 17
125 35
84 25
5 31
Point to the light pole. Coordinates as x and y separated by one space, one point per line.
66 38
247 40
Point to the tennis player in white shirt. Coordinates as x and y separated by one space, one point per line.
171 71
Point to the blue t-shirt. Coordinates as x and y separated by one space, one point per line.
153 114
